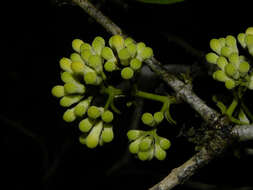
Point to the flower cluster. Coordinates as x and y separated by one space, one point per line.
147 144
233 69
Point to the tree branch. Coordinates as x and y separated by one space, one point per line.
243 132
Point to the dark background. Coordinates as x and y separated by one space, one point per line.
41 151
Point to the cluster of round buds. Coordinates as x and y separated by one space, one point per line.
233 69
97 128
246 39
147 144
152 120
125 55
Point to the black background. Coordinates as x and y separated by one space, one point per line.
41 151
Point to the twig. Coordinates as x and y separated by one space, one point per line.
243 132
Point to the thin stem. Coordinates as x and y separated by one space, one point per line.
247 111
151 96
232 107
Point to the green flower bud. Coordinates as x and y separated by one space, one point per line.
76 44
230 84
85 54
148 119
145 53
98 44
132 49
58 91
69 100
134 134
244 67
82 139
110 66
222 62
107 116
241 39
134 146
107 133
108 54
95 62
145 144
249 31
143 156
158 117
212 57
69 115
92 78
94 112
85 125
92 139
124 54
220 76
75 57
140 46
77 67
234 59
128 41
226 51
160 154
230 41
164 143
116 42
85 46
135 64
249 40
215 45
82 107
222 42
73 88
65 64
127 73
230 69
67 77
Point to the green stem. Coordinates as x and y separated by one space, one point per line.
246 110
151 96
232 107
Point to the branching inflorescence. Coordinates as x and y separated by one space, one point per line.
87 77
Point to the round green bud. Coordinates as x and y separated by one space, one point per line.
95 62
148 119
145 144
108 54
77 67
249 31
110 66
222 62
76 44
146 53
65 64
132 49
230 84
134 146
244 67
58 91
249 40
75 57
82 139
164 143
158 117
73 88
140 46
160 154
82 107
215 45
231 41
69 115
128 41
98 44
92 139
212 57
85 46
67 77
241 39
107 134
69 100
85 125
234 58
85 54
107 116
127 73
230 69
92 78
143 156
135 64
222 42
134 134
220 76
116 42
94 112
124 54
226 51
